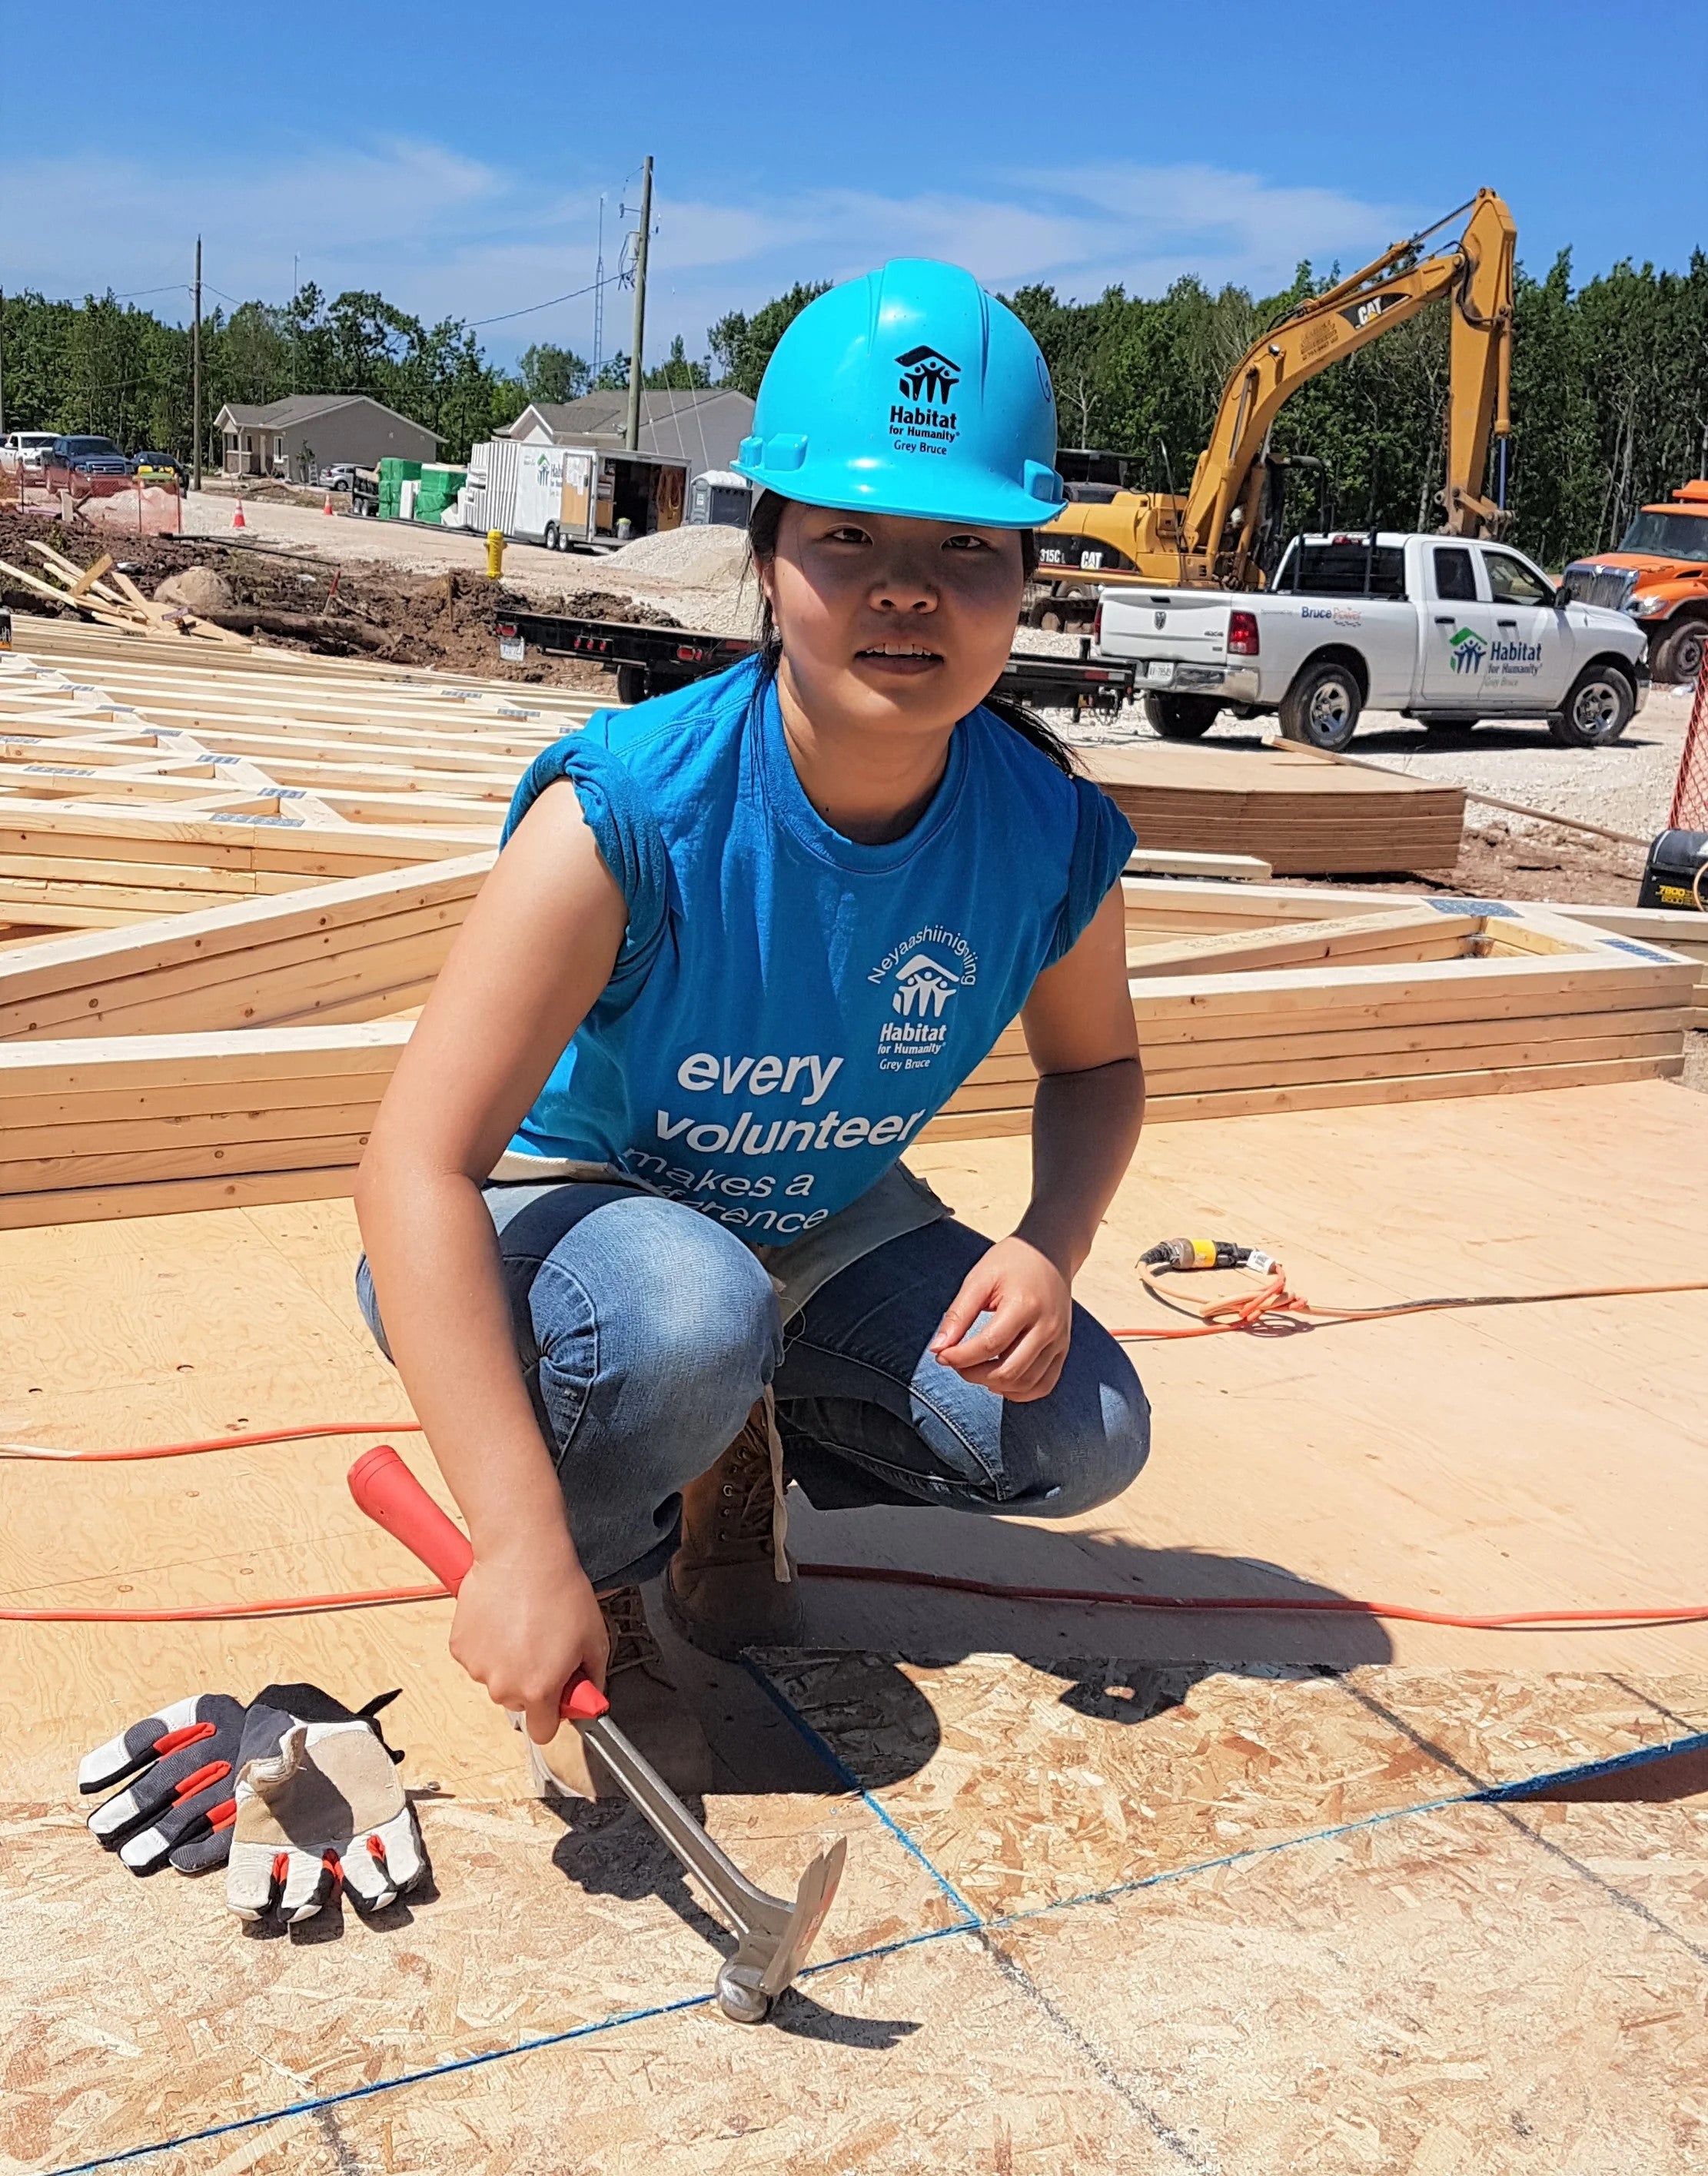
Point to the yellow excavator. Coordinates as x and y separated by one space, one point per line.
1209 538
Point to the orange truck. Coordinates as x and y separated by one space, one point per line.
1660 575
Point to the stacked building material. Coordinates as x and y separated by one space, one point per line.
1284 805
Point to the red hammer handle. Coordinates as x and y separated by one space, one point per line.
385 1488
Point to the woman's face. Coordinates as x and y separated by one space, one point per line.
891 623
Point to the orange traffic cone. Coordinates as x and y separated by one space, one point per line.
237 521
327 508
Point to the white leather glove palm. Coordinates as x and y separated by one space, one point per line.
318 1804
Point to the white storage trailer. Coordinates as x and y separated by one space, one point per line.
588 498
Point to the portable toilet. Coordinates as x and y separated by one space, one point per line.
719 498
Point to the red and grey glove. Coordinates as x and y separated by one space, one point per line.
319 1806
182 1806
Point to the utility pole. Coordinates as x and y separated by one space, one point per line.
3 358
599 295
195 378
632 437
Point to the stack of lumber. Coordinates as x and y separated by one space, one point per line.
111 599
1686 935
143 1126
1304 817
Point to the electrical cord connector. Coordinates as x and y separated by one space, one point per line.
1207 1255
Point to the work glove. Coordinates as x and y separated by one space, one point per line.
318 1805
181 1805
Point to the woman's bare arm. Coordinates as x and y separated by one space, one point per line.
537 948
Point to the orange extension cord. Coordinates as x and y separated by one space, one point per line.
1271 1310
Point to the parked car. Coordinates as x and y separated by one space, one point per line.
339 475
1440 629
25 449
82 455
160 465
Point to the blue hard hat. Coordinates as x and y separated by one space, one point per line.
910 392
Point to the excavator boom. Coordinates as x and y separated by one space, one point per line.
1476 273
1212 536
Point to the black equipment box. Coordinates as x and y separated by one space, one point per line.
1677 872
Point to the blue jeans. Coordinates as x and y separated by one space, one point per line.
645 1333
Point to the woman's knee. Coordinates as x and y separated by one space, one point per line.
656 1315
1093 1434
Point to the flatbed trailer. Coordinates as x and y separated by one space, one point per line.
647 659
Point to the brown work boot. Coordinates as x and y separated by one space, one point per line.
732 1584
646 1706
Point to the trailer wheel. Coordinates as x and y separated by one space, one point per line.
1322 706
1180 717
1596 710
632 684
1677 656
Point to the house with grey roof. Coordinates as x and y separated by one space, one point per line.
703 426
305 432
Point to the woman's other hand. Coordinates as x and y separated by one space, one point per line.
1017 1349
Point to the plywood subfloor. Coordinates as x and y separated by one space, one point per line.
1419 1987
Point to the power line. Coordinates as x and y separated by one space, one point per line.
611 280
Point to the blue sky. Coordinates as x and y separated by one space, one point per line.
454 157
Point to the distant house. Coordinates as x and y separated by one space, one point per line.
704 428
303 433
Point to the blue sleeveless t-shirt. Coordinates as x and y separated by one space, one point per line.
788 1008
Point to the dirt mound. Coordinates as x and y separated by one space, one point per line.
199 588
612 604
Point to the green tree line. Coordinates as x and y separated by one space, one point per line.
1609 384
105 366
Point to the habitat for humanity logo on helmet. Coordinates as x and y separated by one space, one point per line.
924 975
929 424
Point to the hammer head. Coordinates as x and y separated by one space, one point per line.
767 1956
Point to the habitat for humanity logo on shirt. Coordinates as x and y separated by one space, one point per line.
924 973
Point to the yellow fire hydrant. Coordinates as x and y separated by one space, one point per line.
495 554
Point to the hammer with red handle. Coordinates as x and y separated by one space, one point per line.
772 1936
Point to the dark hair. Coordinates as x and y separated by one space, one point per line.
764 521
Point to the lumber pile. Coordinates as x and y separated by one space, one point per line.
1304 817
111 599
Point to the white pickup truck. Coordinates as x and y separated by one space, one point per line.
1440 629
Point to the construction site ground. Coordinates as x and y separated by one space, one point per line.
1127 1891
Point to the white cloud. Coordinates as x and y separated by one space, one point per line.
444 235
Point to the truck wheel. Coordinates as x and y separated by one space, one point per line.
1322 706
1677 655
631 684
1180 717
1597 710
549 538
